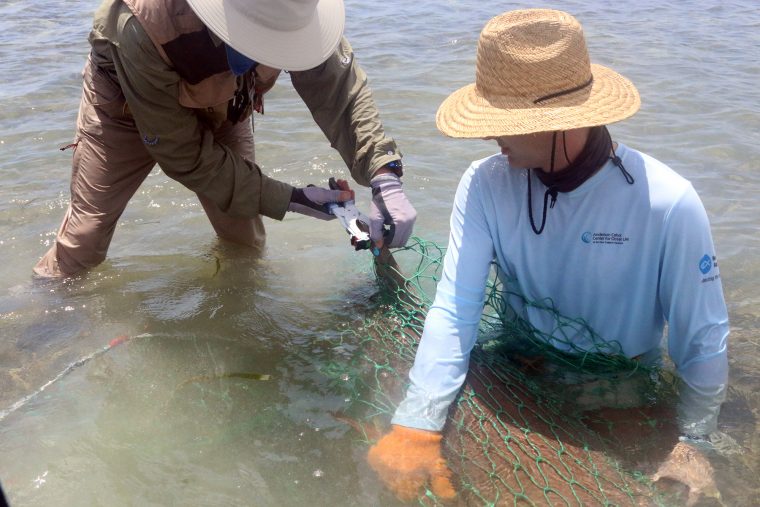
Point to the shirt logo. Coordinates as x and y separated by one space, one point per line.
705 264
604 238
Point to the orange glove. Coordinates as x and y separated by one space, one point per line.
406 458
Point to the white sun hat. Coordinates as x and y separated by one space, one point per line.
283 34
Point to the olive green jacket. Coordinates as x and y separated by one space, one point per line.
181 139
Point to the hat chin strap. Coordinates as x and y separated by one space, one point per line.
551 190
595 153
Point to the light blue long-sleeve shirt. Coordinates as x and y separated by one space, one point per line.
624 258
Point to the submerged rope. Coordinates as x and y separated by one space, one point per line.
71 367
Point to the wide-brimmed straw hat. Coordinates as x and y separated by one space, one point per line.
283 34
533 74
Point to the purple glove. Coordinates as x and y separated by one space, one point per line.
311 201
391 207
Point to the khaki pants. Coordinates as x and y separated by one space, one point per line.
109 164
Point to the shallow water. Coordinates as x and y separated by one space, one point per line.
132 427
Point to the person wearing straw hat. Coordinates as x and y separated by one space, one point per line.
608 234
175 82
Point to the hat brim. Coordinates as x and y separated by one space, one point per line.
300 49
467 113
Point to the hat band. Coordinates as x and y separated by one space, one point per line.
564 92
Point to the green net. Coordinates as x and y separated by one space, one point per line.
539 421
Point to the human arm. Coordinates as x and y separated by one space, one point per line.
451 325
693 304
692 300
442 357
180 143
340 100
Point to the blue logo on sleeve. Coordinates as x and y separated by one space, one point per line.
705 264
587 237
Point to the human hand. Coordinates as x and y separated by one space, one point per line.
311 200
406 459
687 465
391 207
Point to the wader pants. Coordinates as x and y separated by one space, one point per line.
110 162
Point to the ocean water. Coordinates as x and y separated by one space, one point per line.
132 427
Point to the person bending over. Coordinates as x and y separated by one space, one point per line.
174 82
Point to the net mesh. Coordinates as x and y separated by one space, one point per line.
539 421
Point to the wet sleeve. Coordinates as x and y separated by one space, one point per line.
451 325
340 100
184 148
692 299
